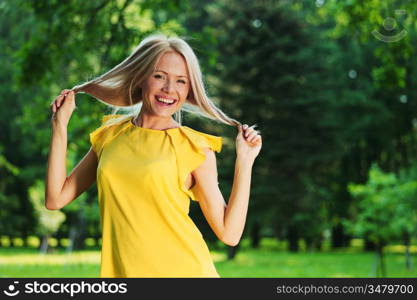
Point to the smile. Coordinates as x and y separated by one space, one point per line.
165 101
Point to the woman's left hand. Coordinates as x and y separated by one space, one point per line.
248 143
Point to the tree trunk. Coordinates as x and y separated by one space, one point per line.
339 239
407 241
232 251
71 238
292 237
79 237
380 260
309 242
255 234
44 245
369 245
314 244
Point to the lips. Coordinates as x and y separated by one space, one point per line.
157 97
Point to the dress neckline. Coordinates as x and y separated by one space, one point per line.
149 129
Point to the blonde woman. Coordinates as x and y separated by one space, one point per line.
148 165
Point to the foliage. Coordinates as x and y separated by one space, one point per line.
385 209
329 98
48 220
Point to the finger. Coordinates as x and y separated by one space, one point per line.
251 128
257 142
63 99
257 131
243 129
60 101
70 99
257 139
71 94
56 98
254 140
249 131
257 134
65 93
251 136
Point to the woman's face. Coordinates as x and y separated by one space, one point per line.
168 83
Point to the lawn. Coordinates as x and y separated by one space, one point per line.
269 260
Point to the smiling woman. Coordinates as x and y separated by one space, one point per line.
148 166
164 92
157 60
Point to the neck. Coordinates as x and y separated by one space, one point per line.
145 120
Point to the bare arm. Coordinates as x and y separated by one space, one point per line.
228 220
60 189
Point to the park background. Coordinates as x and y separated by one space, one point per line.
329 84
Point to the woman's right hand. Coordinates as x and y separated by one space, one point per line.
63 106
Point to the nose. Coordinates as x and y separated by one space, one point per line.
168 87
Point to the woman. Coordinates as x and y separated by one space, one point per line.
148 165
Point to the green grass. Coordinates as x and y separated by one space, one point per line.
270 260
17 262
263 263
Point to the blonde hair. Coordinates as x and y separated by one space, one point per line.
120 86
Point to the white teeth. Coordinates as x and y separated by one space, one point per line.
169 101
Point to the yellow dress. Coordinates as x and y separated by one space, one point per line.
143 201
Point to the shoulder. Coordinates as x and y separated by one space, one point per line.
203 139
196 151
110 122
113 119
110 126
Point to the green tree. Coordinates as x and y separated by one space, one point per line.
48 221
384 211
270 70
47 46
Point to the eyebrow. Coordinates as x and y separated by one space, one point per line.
167 73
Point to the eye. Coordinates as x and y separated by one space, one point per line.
157 76
182 81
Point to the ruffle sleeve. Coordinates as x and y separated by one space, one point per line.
101 135
190 154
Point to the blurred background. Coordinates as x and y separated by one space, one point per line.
331 85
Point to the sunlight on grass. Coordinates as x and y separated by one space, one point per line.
400 249
91 257
218 256
270 260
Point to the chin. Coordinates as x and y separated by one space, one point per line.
164 112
